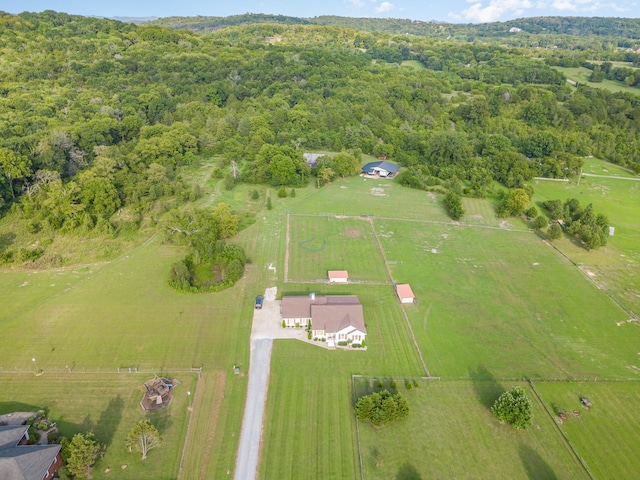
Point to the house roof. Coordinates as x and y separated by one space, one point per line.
334 318
24 462
404 291
338 274
11 436
381 165
300 306
331 313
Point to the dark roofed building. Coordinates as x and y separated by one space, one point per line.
381 168
332 317
26 462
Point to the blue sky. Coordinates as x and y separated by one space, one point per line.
457 11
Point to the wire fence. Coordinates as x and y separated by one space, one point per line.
163 371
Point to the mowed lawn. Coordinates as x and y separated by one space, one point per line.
451 433
318 244
507 302
108 405
606 436
119 314
309 429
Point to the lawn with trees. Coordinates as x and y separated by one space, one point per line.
114 135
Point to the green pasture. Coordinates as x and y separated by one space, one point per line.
367 196
596 166
451 433
309 426
582 74
108 405
318 244
613 267
606 436
506 301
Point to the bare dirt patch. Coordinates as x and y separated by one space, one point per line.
378 192
352 233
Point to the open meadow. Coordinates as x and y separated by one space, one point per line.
451 433
495 302
316 245
606 436
582 75
614 268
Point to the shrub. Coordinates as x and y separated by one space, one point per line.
284 324
309 335
408 384
394 384
381 408
282 193
255 195
343 343
293 193
269 205
416 384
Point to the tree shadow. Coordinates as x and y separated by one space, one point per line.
109 420
487 388
408 472
161 419
534 464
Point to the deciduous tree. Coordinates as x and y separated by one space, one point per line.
514 407
143 437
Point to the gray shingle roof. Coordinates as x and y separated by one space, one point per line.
23 462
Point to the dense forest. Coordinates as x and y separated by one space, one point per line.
97 115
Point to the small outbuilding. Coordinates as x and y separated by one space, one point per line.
338 276
405 294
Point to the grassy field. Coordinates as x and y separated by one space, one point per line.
495 301
318 244
486 295
309 426
606 435
108 405
451 433
582 74
614 267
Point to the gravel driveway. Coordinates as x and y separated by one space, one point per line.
265 328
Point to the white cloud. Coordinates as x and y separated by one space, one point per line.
384 7
496 9
356 3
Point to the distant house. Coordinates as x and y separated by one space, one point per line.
336 318
405 294
311 158
26 462
338 276
515 30
381 168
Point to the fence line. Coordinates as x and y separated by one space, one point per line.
564 435
113 370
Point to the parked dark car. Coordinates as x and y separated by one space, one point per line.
259 300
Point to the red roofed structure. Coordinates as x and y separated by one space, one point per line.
405 294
